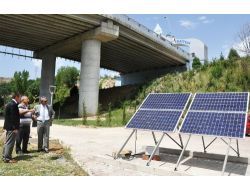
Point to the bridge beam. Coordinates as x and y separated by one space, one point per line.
144 76
47 74
90 66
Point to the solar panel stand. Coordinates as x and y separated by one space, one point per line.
182 152
204 145
181 143
118 153
156 147
226 157
237 144
135 141
153 134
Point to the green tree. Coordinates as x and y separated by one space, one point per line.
62 92
33 90
5 89
233 54
67 76
20 81
196 63
222 58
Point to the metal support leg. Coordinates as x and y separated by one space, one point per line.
153 153
226 157
135 141
118 153
182 152
181 141
154 138
174 140
204 146
238 150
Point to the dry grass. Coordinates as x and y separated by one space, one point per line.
56 163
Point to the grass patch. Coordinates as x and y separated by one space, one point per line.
56 163
116 120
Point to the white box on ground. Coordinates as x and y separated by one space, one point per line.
149 150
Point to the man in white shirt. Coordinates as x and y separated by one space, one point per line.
44 116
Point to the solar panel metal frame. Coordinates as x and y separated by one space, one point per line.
190 95
245 112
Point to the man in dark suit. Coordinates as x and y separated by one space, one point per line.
11 125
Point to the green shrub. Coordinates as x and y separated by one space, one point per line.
216 71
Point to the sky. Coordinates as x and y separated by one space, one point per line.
218 32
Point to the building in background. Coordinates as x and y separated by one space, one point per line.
4 80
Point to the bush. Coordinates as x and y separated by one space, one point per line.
196 63
216 71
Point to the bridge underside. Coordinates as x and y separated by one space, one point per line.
81 38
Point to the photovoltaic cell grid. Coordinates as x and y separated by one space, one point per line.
155 120
159 112
217 114
166 101
220 102
216 124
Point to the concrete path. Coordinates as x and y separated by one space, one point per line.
92 149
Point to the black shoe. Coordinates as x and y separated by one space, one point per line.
26 152
40 150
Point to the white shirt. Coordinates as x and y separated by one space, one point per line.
44 113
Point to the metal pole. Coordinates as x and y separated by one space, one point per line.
153 153
135 140
118 153
182 152
154 137
181 140
174 141
226 157
238 150
203 142
51 99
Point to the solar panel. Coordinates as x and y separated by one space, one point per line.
155 120
168 101
217 114
220 102
160 112
216 124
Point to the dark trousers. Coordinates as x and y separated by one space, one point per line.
23 138
9 145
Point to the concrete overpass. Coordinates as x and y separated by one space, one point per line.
114 42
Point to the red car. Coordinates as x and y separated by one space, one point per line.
248 126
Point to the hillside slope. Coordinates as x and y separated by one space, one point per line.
218 76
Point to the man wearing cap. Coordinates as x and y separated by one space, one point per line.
44 116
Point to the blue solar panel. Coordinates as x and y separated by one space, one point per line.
174 101
160 112
217 114
220 102
216 124
164 121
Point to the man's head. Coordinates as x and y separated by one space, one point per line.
43 100
25 100
16 96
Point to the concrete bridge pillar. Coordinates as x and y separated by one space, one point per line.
90 65
89 79
47 74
